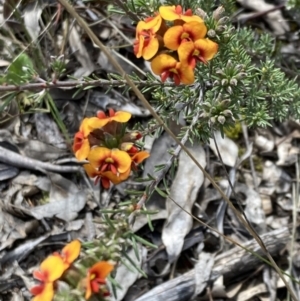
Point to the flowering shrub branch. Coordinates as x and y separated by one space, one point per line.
187 48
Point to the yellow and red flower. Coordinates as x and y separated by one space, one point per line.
102 119
146 44
50 270
167 66
69 253
108 165
96 277
81 146
113 160
201 50
190 31
172 13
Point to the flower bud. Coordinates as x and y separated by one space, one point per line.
223 20
211 33
225 102
216 83
218 12
233 82
224 82
220 71
241 75
201 13
239 67
229 64
207 105
213 120
221 28
227 113
229 90
221 119
203 115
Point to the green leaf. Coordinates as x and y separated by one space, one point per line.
145 242
20 71
161 193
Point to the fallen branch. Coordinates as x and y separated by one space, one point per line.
75 84
17 160
229 264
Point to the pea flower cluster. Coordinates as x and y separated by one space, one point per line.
174 40
59 266
110 150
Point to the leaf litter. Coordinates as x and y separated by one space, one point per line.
44 203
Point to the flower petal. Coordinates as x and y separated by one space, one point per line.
88 289
162 62
185 53
168 13
101 269
207 48
39 275
85 129
151 48
98 155
191 18
91 171
196 30
53 267
140 157
153 23
37 289
172 37
83 152
96 123
71 251
121 116
46 294
186 72
122 159
116 179
172 13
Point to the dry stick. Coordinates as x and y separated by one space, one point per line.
229 264
138 93
74 84
15 159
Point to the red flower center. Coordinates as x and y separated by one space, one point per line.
109 165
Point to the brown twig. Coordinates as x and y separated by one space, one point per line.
75 84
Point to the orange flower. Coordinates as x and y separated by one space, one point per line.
167 66
50 270
201 50
96 277
146 44
190 31
102 119
113 160
81 146
172 13
69 253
